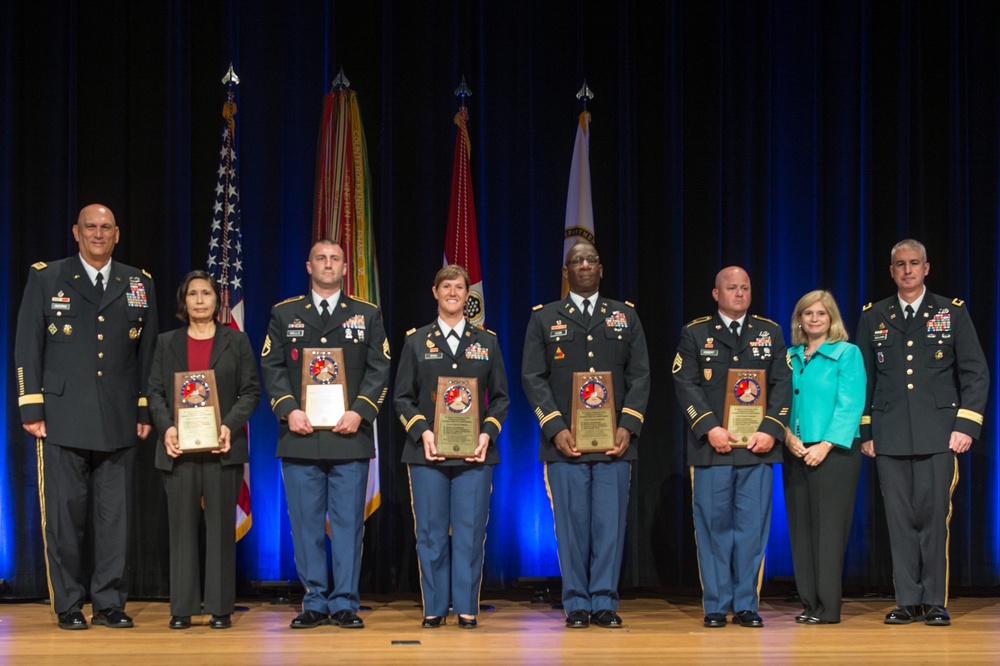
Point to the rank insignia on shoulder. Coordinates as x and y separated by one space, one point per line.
699 320
867 307
39 265
630 304
411 331
957 302
537 307
678 363
146 273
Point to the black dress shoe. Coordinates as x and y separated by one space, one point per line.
113 618
180 622
804 618
347 620
466 623
812 619
308 619
937 616
904 615
432 622
578 619
608 619
715 620
748 618
72 620
220 622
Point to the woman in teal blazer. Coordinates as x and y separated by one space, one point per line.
822 460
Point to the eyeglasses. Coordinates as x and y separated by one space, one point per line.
593 260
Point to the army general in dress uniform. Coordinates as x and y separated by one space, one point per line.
589 491
927 390
325 472
731 487
85 337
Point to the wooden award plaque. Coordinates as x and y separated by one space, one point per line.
746 404
324 386
593 423
456 417
196 411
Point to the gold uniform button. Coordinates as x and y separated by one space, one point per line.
592 370
590 338
590 354
322 340
736 358
909 386
909 371
59 314
100 373
909 343
909 357
100 336
100 317
100 354
454 366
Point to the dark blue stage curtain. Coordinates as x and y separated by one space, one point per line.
798 139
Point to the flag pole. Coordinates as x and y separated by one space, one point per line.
579 203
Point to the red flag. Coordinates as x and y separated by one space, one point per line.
461 245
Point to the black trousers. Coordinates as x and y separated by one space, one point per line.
190 481
820 504
71 482
917 492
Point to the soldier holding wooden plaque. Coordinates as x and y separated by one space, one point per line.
451 397
585 372
733 381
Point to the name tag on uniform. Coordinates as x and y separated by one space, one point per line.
294 333
431 357
709 352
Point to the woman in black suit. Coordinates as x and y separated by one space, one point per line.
216 476
450 497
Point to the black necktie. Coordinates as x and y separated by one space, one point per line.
99 286
324 310
586 309
734 326
453 345
909 313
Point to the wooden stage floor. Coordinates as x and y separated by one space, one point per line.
655 631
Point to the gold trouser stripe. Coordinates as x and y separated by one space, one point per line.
31 399
626 410
697 553
947 533
975 417
692 427
552 505
495 422
420 571
366 399
39 443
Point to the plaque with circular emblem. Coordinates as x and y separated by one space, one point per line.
456 417
746 403
196 411
324 386
593 422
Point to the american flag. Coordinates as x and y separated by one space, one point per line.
225 262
